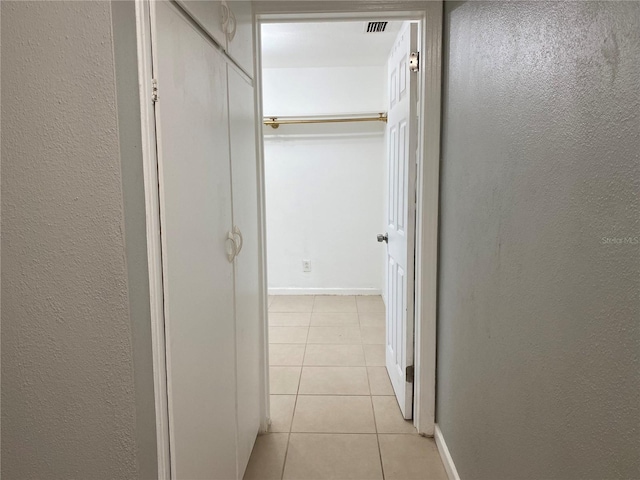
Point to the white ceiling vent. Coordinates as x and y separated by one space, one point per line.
375 27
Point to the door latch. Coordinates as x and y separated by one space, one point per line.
383 238
414 61
409 374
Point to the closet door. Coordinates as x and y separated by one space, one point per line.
245 218
230 23
195 195
211 15
240 35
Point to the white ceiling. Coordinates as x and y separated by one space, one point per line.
327 44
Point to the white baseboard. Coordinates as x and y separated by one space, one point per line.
324 291
449 466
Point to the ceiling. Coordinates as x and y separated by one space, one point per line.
326 44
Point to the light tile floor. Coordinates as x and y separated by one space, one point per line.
333 411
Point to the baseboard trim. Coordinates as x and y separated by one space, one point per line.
325 291
449 466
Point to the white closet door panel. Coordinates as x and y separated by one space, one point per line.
240 47
210 15
245 217
195 196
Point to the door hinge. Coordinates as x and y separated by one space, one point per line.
154 90
414 61
409 374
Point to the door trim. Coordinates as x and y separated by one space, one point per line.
154 246
427 221
429 17
262 227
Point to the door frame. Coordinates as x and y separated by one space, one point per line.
154 241
429 16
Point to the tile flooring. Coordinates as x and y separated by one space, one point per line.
333 411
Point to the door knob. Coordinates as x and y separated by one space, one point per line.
238 233
383 238
232 247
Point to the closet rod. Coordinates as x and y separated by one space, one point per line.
275 122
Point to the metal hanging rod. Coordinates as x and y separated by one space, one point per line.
275 122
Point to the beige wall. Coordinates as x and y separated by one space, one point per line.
74 326
539 314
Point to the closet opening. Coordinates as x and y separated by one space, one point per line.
340 152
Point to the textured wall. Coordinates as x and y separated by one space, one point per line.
68 396
538 372
129 131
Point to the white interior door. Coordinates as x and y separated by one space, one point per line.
402 150
195 208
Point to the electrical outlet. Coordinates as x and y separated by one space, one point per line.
306 265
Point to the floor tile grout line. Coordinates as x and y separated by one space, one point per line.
363 395
295 404
375 424
346 433
286 451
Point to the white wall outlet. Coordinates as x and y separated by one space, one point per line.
306 265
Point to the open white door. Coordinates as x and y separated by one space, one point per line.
402 143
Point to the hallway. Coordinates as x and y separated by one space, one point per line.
333 411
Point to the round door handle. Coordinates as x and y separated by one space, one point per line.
232 247
383 238
232 20
238 233
225 14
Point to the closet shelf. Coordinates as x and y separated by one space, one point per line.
275 122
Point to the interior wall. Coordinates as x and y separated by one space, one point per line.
324 183
323 91
70 392
538 333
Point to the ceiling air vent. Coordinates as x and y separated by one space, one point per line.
374 27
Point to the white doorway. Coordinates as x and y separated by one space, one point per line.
298 390
325 169
340 148
427 167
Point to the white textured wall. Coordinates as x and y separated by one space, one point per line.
539 331
68 389
325 183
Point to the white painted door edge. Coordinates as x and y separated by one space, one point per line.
445 455
429 16
154 250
